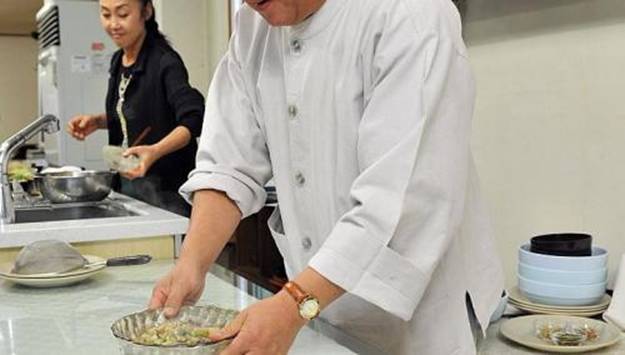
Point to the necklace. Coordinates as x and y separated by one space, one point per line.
121 91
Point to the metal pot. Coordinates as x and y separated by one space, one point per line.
82 186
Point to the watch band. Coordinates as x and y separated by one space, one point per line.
295 291
307 304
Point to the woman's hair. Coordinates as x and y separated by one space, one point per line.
151 26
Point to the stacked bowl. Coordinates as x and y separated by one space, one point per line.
562 270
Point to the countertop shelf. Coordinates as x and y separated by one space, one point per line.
149 221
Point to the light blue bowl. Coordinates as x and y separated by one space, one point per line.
561 295
598 260
563 277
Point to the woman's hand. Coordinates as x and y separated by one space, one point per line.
148 154
81 126
266 327
183 285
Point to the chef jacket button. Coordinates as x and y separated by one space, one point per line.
292 111
300 179
296 46
306 243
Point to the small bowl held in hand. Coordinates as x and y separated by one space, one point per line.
113 155
562 244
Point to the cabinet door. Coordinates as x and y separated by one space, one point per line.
255 254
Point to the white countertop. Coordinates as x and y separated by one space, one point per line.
77 319
150 222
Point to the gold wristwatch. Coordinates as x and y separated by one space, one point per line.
307 304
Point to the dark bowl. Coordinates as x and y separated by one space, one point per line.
562 244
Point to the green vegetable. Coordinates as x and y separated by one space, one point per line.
20 172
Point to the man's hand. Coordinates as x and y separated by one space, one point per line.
267 327
182 286
213 220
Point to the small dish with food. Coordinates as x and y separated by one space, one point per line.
149 332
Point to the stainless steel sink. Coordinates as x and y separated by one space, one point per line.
61 212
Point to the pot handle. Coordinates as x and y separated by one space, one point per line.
129 260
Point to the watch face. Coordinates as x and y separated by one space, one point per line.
309 308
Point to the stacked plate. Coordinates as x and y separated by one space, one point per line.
56 279
518 300
563 281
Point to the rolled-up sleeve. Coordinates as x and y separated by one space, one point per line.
186 101
232 155
413 150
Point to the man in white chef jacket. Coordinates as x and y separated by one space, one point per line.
360 110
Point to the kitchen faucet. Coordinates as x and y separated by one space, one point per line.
48 124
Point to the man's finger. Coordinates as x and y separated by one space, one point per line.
174 301
231 329
237 347
158 298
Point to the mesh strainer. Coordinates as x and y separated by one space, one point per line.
48 256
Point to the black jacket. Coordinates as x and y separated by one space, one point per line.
158 96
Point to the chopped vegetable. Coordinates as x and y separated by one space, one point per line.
20 172
175 333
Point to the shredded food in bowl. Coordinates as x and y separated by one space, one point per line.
174 333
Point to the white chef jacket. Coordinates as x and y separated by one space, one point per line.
361 115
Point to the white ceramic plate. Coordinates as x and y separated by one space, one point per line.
522 330
56 280
557 312
100 263
52 282
517 297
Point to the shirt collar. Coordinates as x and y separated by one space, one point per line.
318 21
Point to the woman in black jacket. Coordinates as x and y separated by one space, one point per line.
151 110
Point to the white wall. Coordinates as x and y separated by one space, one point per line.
18 83
198 29
549 127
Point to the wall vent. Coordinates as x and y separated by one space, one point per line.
49 30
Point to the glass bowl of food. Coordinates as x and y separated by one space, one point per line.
567 331
149 332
